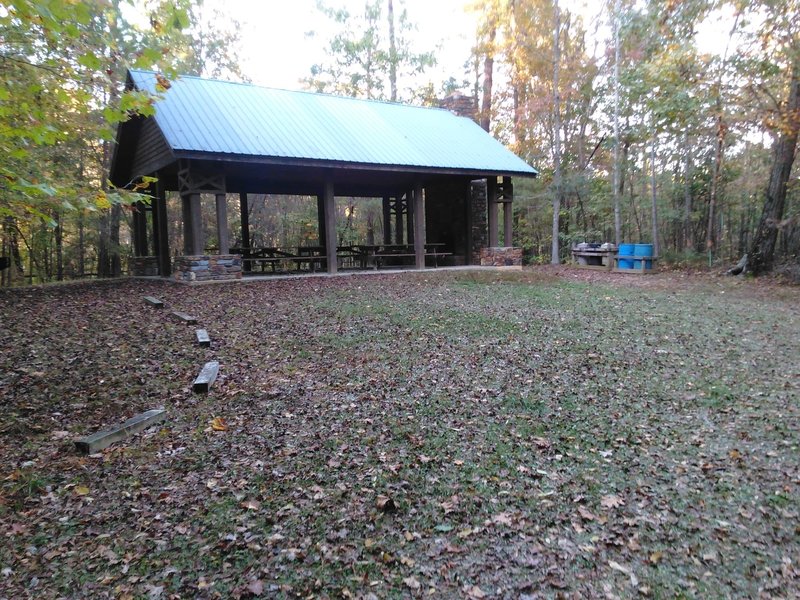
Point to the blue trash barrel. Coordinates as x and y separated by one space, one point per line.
626 250
643 250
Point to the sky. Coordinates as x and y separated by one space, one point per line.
276 52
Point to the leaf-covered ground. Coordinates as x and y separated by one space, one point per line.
445 434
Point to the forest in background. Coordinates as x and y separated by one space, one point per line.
640 132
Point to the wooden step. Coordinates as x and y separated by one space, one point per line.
182 316
103 439
202 338
154 302
206 377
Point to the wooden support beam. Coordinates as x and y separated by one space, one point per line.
154 302
321 219
139 229
192 224
410 218
330 226
202 338
182 316
398 219
508 212
206 377
419 225
103 439
491 202
222 224
244 211
387 220
161 230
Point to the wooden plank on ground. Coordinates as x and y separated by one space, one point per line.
202 338
103 439
154 302
206 377
182 316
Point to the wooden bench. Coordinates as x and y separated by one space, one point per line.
641 269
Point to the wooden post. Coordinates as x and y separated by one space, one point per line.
154 201
419 225
491 202
330 226
398 219
222 224
192 224
409 218
161 230
140 230
321 219
387 220
244 211
508 212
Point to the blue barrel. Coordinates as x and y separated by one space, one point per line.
643 250
626 250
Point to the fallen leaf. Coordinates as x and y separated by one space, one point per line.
256 587
404 560
82 490
385 503
251 505
656 557
412 583
218 424
474 592
611 501
585 513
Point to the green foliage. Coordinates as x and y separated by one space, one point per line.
360 57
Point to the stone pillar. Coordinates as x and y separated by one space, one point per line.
244 211
387 220
330 226
419 225
477 220
491 200
222 224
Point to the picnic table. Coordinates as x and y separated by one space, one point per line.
376 255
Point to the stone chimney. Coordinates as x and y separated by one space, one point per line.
461 105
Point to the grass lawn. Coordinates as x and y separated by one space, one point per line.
442 434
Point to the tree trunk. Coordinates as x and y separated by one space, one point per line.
59 239
555 257
687 195
712 203
488 72
762 250
392 55
617 184
654 191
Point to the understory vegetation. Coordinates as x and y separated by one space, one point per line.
543 433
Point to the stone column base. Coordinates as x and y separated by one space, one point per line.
501 256
143 266
214 267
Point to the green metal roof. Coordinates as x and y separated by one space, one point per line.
219 117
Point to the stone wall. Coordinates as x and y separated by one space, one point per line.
501 257
214 267
143 266
478 220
